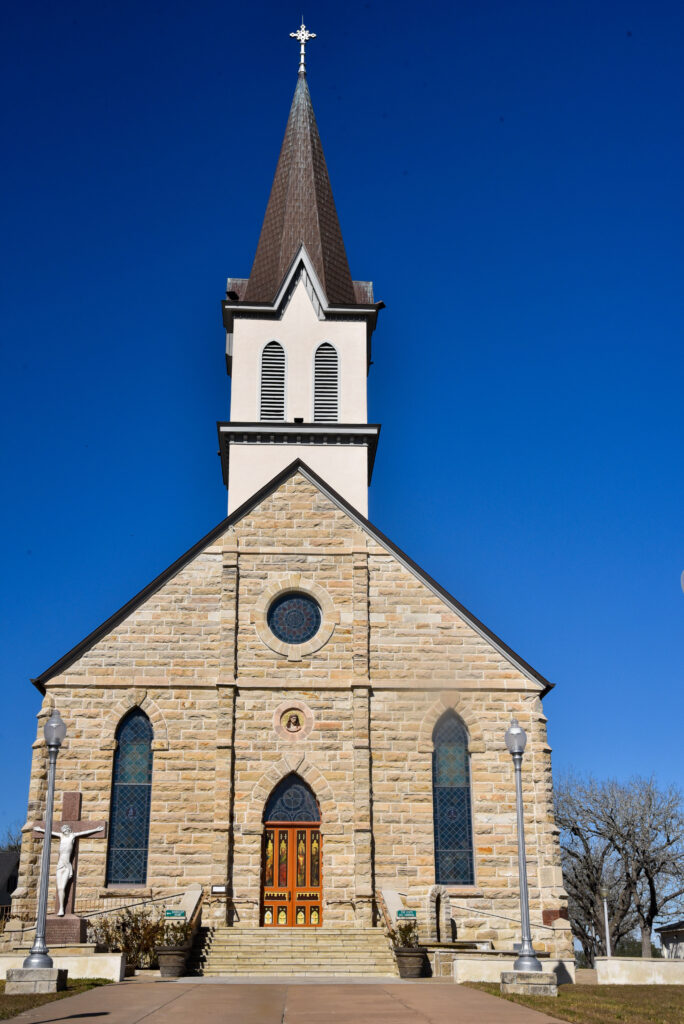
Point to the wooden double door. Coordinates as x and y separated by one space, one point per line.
291 876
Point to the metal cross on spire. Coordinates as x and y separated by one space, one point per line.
303 35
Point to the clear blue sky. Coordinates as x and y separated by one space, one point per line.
508 174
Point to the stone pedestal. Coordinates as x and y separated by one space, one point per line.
529 983
69 930
22 981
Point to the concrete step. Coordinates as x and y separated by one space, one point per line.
229 954
282 948
333 952
239 961
326 972
380 954
265 968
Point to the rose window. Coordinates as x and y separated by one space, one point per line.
294 618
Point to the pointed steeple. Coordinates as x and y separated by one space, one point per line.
301 211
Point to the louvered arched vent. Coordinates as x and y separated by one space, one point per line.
272 406
325 384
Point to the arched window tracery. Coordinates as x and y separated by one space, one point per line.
129 820
292 800
451 802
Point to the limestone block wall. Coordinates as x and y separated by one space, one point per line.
175 633
296 537
393 656
402 723
183 784
325 760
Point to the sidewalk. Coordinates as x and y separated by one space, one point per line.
278 1002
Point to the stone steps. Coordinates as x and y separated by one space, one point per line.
288 952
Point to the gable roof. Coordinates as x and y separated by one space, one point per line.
301 211
297 466
674 926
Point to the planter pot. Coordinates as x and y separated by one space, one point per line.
172 960
411 961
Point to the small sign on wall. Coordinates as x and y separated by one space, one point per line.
406 915
174 913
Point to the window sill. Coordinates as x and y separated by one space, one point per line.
116 891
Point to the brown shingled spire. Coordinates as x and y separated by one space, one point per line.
301 211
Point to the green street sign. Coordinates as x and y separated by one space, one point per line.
174 913
403 914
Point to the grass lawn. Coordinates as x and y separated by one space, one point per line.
607 1004
10 1006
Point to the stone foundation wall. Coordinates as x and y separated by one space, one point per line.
197 658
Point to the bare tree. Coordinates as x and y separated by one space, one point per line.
646 829
588 864
12 840
629 837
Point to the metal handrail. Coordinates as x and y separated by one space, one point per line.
502 917
127 906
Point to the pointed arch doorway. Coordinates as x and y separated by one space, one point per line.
291 882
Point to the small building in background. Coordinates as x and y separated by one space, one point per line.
672 938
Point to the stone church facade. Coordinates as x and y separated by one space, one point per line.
295 662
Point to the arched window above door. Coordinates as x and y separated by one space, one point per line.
272 398
129 819
292 800
451 802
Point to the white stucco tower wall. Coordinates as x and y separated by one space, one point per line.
299 296
300 332
258 449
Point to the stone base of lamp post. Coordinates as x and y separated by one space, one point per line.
22 981
68 930
529 983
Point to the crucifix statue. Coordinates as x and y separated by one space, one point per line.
70 829
303 35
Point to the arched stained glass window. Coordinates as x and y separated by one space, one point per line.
272 402
325 384
129 820
451 802
292 800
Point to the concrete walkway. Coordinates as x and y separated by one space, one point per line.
292 1002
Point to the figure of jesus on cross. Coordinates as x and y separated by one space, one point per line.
71 814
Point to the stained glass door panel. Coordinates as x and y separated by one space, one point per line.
291 876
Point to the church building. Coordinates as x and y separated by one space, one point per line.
294 715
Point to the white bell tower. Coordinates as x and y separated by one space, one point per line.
299 334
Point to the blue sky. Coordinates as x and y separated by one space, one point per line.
509 175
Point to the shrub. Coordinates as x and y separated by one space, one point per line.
405 936
137 933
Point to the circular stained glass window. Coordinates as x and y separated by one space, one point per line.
294 618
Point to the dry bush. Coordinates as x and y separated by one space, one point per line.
137 933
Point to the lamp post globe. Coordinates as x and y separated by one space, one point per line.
516 738
516 741
54 730
54 733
